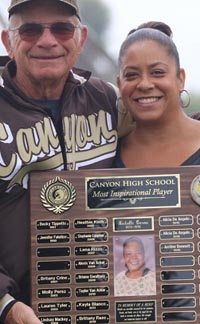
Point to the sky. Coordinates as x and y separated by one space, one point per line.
181 15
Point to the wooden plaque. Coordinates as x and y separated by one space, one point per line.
80 221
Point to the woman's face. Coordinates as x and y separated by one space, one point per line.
133 256
148 81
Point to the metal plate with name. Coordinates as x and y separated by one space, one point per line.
92 277
174 247
175 220
55 319
93 305
54 279
92 250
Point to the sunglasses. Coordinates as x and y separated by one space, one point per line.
30 32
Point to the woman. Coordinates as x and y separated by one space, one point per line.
137 279
151 84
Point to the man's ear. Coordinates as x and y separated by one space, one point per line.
84 34
7 43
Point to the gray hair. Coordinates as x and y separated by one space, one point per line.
134 239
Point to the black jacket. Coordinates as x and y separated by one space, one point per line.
82 135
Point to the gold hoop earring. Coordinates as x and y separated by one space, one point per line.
184 98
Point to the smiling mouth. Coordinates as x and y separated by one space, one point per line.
46 57
148 100
134 263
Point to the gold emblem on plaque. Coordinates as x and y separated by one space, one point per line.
58 195
195 190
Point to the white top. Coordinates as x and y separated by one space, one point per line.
143 286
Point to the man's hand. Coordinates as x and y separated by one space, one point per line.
21 314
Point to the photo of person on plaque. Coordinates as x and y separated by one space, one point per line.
134 263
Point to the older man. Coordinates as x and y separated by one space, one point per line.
52 117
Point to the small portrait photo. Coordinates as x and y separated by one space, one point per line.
134 265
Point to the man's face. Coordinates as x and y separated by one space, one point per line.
47 58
